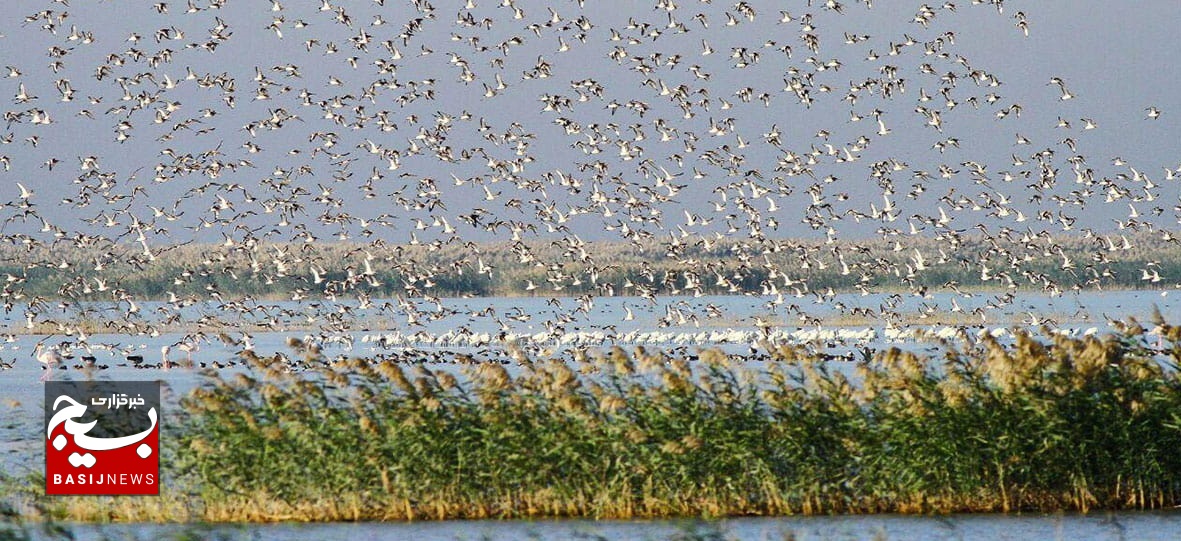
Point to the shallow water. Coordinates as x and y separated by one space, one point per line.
1096 527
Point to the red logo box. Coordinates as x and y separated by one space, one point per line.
102 437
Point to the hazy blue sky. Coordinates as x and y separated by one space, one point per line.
1115 59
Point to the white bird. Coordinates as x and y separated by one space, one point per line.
50 357
1062 87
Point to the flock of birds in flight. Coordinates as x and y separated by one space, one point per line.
263 128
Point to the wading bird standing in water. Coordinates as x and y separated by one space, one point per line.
49 357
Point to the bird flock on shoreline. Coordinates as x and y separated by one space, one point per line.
260 130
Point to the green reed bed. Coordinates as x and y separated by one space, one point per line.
1046 423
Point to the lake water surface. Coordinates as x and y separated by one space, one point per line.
1094 527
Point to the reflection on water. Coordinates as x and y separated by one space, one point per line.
1099 526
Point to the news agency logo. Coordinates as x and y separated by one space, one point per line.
102 437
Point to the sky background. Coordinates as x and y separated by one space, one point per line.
1113 58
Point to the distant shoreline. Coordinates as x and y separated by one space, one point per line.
549 269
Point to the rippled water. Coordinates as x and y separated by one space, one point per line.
1094 527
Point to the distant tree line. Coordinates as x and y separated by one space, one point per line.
564 267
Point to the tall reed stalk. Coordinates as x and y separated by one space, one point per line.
1044 423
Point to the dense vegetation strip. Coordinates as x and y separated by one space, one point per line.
1045 423
114 272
